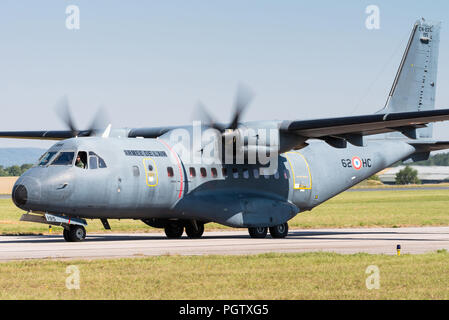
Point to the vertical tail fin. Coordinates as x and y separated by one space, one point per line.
415 82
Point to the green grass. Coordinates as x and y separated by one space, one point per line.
267 276
350 209
379 209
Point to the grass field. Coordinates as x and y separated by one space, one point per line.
350 209
267 276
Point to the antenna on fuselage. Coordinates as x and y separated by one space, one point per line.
107 131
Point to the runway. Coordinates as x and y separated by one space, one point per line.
375 241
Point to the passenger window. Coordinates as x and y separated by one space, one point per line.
235 173
245 173
81 160
170 172
256 173
64 159
203 172
93 162
100 161
224 171
214 172
192 172
265 173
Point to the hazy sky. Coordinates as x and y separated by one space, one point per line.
149 62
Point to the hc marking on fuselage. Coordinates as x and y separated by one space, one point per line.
356 163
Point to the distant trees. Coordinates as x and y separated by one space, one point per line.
14 170
407 176
439 159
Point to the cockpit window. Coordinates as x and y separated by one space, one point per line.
95 161
46 157
63 159
101 163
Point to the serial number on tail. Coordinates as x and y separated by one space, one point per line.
356 163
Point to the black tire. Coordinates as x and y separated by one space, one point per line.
66 235
77 233
279 231
174 231
194 233
258 232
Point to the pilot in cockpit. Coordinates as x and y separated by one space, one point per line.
79 163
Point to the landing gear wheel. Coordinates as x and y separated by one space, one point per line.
259 232
194 233
65 233
279 231
174 231
75 233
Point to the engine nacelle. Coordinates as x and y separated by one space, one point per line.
260 140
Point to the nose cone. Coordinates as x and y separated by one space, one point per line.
26 193
20 195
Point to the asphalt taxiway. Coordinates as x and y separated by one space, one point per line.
114 245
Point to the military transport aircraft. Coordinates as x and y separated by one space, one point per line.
171 177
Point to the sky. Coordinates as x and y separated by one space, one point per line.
149 63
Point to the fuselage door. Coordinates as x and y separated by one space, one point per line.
300 171
151 174
301 178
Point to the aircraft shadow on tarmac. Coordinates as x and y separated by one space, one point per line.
292 235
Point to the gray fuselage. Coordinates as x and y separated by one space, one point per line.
145 178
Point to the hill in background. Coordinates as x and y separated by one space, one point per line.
19 156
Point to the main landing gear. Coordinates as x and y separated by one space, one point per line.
279 231
74 233
175 229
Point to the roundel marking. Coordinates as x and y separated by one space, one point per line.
356 163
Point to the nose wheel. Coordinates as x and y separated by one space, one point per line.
74 233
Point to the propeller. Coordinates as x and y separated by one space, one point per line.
63 110
98 123
242 99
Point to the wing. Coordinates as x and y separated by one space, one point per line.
329 129
352 128
150 132
41 135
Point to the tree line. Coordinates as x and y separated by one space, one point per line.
14 171
440 159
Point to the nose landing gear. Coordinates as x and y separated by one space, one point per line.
74 233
